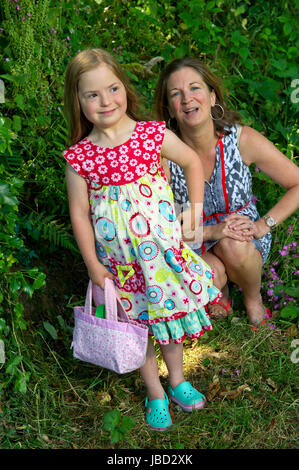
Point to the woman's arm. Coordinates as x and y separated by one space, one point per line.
82 227
255 148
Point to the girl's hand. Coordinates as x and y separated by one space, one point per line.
98 275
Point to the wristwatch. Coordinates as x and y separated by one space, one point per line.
269 221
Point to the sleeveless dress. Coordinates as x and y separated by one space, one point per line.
161 281
229 191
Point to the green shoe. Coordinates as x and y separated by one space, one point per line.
157 414
187 397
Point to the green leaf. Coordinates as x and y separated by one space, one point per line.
127 423
111 419
115 436
21 382
290 311
292 291
17 123
6 196
50 329
13 364
39 281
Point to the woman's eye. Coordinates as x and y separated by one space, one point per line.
176 93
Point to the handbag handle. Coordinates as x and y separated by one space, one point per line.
109 297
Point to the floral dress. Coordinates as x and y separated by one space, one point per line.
228 191
161 281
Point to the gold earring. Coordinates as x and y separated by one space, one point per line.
216 118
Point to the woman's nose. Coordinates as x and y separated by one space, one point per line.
186 96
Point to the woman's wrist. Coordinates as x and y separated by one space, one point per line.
261 228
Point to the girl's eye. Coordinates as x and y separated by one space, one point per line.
114 89
194 88
92 95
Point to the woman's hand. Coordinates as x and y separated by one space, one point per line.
235 226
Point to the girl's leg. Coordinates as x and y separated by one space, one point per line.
173 357
243 265
150 374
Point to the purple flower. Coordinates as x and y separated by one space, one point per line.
18 7
29 14
254 199
68 38
283 252
270 292
296 273
24 18
6 59
256 169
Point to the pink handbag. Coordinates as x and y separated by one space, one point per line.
115 342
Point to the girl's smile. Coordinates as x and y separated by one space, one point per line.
102 97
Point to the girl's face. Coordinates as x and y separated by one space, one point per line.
102 97
189 98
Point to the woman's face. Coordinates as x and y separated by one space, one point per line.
189 98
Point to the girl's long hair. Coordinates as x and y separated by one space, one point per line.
221 123
89 59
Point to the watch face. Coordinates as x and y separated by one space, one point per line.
270 221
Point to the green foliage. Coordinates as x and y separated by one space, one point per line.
117 425
253 46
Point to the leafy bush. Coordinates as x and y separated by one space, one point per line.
252 45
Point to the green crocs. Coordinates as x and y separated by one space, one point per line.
187 397
157 414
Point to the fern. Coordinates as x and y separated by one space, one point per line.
42 226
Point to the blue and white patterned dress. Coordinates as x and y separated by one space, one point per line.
229 191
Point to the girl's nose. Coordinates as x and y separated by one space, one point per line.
105 99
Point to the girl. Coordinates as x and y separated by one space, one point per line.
123 218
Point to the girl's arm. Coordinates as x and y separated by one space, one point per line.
177 151
82 227
255 148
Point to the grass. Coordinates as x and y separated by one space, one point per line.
248 378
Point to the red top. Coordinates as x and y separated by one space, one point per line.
125 163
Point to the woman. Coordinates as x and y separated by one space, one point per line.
236 239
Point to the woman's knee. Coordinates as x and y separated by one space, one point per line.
235 251
220 277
